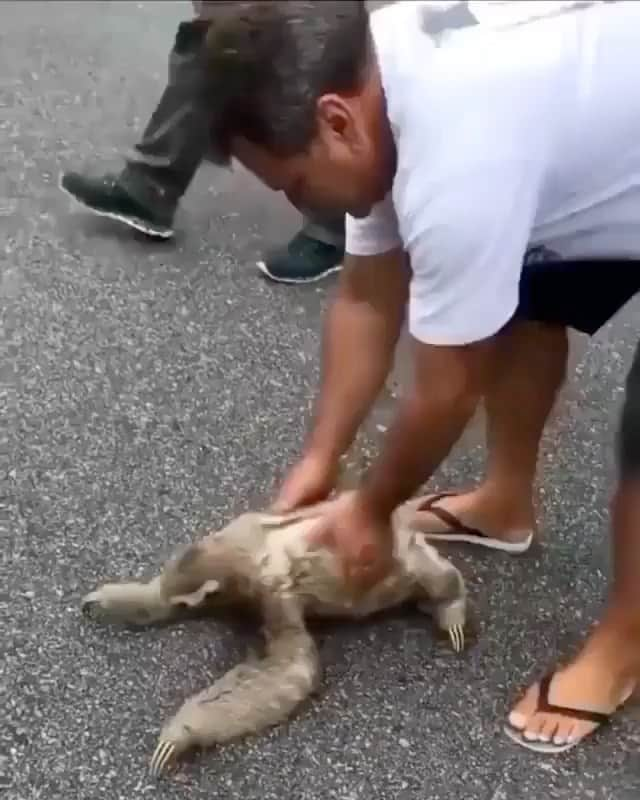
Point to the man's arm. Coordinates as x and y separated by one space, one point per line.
449 382
360 335
466 250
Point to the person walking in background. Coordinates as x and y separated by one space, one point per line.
145 195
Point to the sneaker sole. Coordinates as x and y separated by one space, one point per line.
131 222
313 279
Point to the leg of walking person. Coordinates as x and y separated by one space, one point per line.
315 252
146 193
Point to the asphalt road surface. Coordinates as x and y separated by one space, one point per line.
151 390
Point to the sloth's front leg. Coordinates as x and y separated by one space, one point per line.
250 697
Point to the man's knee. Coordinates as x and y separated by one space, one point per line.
541 346
628 444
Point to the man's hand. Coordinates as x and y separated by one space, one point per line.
363 542
311 480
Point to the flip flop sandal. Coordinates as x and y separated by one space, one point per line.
598 718
461 533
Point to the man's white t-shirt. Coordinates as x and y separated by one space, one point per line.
511 138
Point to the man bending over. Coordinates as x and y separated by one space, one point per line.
491 179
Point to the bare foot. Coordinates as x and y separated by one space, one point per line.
580 698
482 516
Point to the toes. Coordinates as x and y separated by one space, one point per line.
87 607
524 710
534 729
95 601
88 600
548 729
564 731
94 607
91 605
161 758
456 635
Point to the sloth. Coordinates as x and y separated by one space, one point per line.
263 563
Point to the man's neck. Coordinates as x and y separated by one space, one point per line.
376 103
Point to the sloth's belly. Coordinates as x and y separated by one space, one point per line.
289 564
334 601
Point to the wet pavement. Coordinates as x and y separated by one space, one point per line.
151 390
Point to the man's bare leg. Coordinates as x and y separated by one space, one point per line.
607 668
531 365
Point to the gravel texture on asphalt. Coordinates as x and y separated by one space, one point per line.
151 390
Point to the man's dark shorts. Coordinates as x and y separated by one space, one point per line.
583 295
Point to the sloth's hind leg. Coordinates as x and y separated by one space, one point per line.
442 589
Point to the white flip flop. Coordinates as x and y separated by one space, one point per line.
462 533
597 718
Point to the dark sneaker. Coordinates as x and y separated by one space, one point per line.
105 196
303 260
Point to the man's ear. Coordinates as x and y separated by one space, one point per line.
198 597
338 120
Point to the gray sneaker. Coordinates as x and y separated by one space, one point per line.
105 196
302 260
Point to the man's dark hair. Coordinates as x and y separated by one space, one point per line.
267 63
